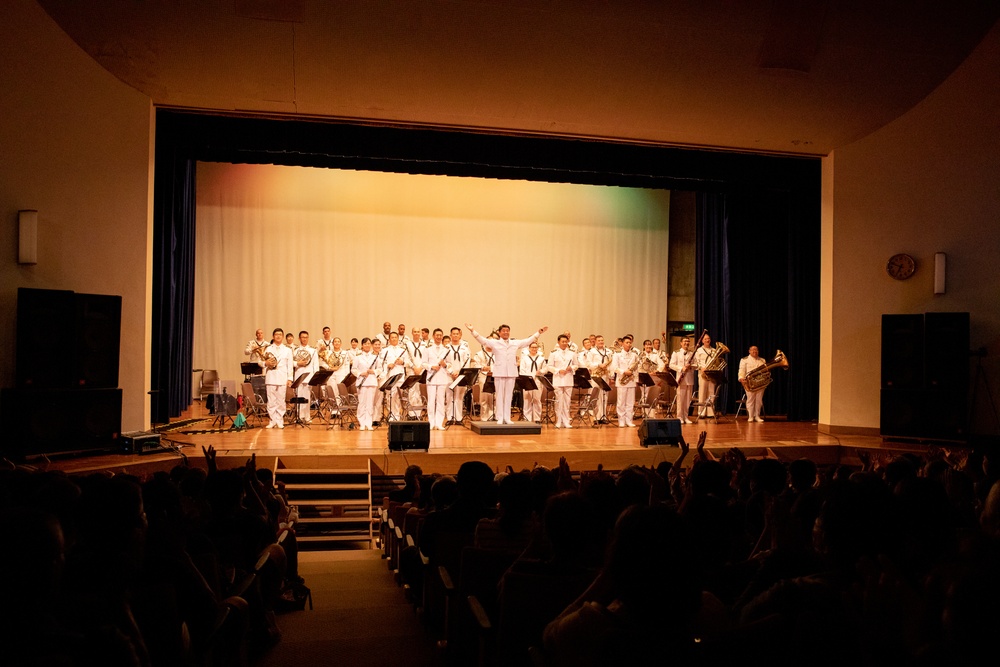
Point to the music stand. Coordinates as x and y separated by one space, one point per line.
524 383
249 368
297 400
547 385
670 380
389 383
466 376
319 379
581 381
224 405
404 396
645 381
490 387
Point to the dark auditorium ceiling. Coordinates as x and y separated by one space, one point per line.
782 76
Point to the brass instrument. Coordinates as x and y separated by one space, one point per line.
647 365
257 354
602 368
270 361
302 356
760 377
715 361
626 377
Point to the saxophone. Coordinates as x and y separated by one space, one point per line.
626 377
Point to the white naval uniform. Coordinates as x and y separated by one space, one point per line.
390 356
755 397
482 360
331 390
533 366
255 350
504 368
383 338
380 375
622 362
685 382
304 390
706 387
602 356
367 385
437 384
276 379
414 366
562 363
459 357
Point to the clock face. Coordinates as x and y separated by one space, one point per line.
901 266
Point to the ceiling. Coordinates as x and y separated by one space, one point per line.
783 76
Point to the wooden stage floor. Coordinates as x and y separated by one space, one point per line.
584 447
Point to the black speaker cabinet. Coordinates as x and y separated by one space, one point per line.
946 347
903 351
53 421
405 435
98 340
923 414
659 432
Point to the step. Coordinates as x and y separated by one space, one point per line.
325 487
320 539
320 471
343 502
307 521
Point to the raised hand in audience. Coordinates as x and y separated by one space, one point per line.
210 458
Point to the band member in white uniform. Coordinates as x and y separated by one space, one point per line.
706 387
754 397
278 379
602 358
363 368
341 366
484 362
415 366
380 378
383 336
306 362
256 346
683 364
533 365
353 351
649 363
401 331
435 357
324 350
504 351
562 363
459 356
626 366
394 358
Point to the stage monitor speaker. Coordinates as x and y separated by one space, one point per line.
405 435
923 414
903 351
96 346
946 351
660 432
54 421
40 312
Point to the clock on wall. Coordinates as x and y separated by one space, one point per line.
901 266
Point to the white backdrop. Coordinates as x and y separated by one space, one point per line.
302 248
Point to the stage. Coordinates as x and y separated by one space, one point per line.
585 447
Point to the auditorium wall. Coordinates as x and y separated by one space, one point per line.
76 146
928 182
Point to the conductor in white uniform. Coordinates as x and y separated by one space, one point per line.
504 351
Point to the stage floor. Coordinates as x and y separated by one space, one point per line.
584 447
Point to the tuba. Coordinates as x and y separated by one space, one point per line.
715 362
760 377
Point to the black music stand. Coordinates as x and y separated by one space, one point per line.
250 368
645 380
582 381
490 387
669 380
224 406
319 379
296 400
389 383
547 385
405 393
524 383
466 376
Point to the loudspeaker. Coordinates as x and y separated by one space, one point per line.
88 339
97 342
925 414
902 351
44 349
50 421
409 435
659 432
946 351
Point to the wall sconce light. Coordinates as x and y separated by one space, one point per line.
940 262
27 237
